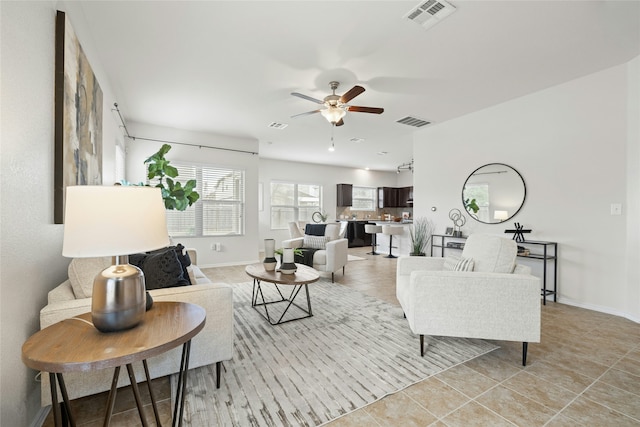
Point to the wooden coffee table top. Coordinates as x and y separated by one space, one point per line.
76 345
302 276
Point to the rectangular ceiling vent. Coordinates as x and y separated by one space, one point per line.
276 125
428 13
413 121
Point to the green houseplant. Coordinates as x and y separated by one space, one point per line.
421 232
175 195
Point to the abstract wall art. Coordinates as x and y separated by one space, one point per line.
78 117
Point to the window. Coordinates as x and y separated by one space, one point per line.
363 199
293 202
220 209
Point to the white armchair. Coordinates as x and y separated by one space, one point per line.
496 300
333 257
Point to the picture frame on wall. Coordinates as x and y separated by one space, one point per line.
448 231
78 117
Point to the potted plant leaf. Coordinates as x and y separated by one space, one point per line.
421 232
175 195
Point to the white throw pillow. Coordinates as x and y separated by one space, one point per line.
450 263
315 242
82 271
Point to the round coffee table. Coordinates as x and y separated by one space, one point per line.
299 280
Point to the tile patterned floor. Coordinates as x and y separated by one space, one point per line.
585 372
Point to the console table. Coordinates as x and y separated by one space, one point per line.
549 253
75 345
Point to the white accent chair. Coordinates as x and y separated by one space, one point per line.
294 230
331 259
498 300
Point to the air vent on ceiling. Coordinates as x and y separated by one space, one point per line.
276 125
413 121
356 140
428 13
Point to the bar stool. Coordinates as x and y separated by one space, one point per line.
391 231
373 229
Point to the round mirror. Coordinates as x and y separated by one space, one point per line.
493 193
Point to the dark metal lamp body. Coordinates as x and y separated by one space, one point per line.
119 297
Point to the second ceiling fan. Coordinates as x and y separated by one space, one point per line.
336 106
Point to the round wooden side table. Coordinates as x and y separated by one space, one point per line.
75 345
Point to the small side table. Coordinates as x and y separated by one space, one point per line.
75 345
300 279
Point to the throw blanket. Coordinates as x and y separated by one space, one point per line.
306 258
315 229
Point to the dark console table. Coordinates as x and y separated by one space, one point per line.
549 254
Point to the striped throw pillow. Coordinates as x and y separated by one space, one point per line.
465 264
315 242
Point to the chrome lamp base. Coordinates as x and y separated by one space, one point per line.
119 298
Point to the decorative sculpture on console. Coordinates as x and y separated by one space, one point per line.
458 221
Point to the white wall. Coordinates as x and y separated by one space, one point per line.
307 173
235 249
31 262
576 146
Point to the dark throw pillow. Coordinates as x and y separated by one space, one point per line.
162 269
185 260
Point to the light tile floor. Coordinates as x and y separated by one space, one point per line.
585 372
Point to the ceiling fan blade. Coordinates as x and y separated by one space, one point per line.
340 123
352 93
305 114
373 110
308 98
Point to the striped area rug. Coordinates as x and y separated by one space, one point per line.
355 350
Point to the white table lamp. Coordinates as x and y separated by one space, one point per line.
115 221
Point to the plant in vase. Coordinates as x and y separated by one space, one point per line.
288 266
421 232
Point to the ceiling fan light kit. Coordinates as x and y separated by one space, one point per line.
336 106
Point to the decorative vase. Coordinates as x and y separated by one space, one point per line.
288 266
269 255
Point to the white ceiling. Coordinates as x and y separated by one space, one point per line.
228 67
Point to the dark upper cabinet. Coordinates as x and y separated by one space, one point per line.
387 197
405 197
344 193
392 197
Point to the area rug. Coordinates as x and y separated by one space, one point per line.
355 350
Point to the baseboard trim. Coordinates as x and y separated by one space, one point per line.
598 308
40 417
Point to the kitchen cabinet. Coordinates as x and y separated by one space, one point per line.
387 197
356 235
393 197
405 197
344 194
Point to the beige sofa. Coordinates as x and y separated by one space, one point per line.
495 299
214 344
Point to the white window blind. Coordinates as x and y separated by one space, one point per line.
291 201
363 199
220 209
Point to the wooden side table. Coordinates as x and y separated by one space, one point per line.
75 345
301 278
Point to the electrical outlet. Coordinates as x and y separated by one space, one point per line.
616 208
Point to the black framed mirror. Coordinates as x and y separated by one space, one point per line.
493 193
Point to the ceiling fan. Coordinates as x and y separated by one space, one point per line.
335 106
